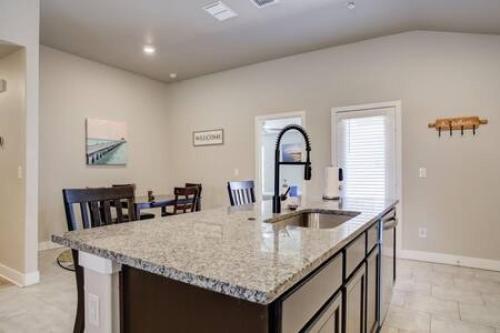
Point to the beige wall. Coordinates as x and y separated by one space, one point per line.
12 129
434 74
73 89
19 24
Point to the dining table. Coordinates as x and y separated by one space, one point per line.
159 201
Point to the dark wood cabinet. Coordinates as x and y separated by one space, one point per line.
300 306
340 296
355 301
372 290
330 319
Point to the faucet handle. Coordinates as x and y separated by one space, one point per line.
285 195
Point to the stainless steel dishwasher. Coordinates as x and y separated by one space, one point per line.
388 261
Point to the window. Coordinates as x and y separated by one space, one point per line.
366 151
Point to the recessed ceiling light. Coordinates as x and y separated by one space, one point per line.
220 11
350 5
173 75
148 49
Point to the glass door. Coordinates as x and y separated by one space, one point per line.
366 153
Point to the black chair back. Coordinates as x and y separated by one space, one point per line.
198 197
241 192
95 206
141 216
185 199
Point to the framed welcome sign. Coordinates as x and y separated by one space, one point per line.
208 138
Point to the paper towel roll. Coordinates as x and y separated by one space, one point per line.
332 183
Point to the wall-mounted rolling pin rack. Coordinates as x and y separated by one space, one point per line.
458 124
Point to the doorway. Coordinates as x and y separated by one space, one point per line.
366 143
266 133
12 164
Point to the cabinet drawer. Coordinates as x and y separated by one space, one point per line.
298 308
330 319
373 236
355 254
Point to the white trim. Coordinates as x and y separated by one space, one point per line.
48 245
449 259
11 275
102 293
397 106
31 278
258 121
98 264
18 278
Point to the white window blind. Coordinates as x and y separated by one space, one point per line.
365 151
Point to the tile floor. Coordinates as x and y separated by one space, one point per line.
432 298
47 307
429 298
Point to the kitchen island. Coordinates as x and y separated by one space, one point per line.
236 270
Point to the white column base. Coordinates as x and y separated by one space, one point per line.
102 294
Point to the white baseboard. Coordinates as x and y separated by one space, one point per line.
48 245
18 278
442 258
31 278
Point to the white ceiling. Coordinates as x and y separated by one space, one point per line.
190 43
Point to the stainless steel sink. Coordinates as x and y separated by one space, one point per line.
315 220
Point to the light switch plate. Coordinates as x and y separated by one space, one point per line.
422 232
93 309
422 172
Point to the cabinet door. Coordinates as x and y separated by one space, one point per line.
330 320
372 290
355 301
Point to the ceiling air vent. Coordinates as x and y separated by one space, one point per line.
220 11
264 3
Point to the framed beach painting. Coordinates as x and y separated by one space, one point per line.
106 142
291 152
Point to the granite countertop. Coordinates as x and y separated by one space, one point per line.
229 250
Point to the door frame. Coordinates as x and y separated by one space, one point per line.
398 158
259 120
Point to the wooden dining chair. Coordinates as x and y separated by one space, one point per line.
95 207
142 216
241 192
198 197
185 200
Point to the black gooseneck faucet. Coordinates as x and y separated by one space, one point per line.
278 163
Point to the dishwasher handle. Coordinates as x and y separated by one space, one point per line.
390 223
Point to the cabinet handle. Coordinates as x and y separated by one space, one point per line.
390 223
